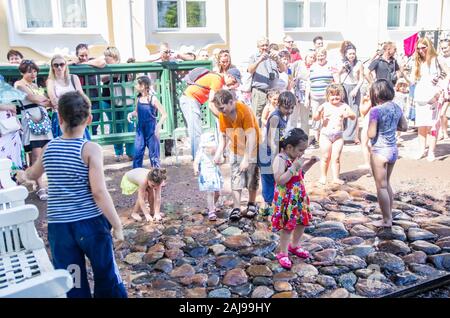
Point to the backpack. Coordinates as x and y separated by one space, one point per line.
194 75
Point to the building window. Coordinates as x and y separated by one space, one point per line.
181 14
293 14
54 14
306 13
402 13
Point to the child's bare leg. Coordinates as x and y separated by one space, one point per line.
135 213
335 160
285 237
216 198
298 232
380 174
325 149
211 206
151 202
365 149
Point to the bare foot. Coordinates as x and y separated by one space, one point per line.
136 217
322 181
148 217
339 181
157 217
381 223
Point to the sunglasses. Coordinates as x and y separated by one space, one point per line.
57 65
422 48
289 41
167 52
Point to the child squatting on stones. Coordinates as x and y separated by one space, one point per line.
148 183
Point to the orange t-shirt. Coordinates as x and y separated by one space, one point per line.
235 130
214 81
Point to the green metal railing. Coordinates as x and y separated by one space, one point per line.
111 111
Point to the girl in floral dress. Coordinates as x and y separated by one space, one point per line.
291 203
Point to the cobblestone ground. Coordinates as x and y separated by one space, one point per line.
188 256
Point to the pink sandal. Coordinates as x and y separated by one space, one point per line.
298 251
284 260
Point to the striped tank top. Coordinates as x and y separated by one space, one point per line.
69 193
320 77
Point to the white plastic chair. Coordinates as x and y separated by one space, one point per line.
13 197
25 268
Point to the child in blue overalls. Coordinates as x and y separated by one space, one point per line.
148 128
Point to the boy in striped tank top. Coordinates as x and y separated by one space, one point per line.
80 209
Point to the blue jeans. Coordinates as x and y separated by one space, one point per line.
95 117
191 109
70 243
265 162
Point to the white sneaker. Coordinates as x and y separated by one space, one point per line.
431 157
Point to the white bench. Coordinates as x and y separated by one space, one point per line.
5 176
25 268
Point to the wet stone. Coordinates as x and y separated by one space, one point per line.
284 276
282 286
258 260
164 265
348 281
406 225
290 294
262 292
393 233
220 293
423 270
359 250
311 247
326 281
243 290
259 270
197 279
337 293
425 247
262 281
444 244
439 230
373 288
309 290
418 257
217 249
195 293
394 247
303 269
170 231
231 231
416 234
162 284
351 261
324 242
362 231
334 270
335 216
174 254
237 241
326 256
353 240
198 252
228 261
213 280
387 261
331 229
262 236
259 250
235 277
134 258
441 261
405 278
183 271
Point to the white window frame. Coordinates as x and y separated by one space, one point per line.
21 20
182 20
402 21
307 17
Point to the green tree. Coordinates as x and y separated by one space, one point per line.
195 14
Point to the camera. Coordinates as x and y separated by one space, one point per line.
272 76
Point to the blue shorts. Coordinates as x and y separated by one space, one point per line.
70 243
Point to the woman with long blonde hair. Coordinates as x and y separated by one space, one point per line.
59 82
428 69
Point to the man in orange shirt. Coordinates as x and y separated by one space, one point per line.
239 127
198 94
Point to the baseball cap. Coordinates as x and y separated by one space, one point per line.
235 73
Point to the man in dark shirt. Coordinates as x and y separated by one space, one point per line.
386 66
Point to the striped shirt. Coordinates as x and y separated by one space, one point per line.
320 77
69 193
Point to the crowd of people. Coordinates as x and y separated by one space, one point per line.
267 116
